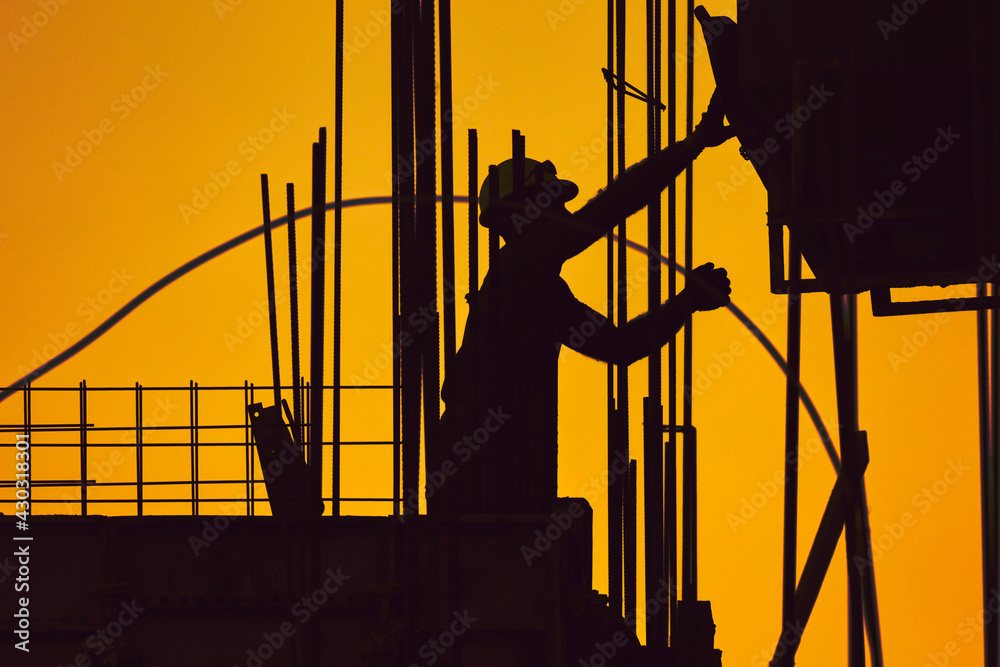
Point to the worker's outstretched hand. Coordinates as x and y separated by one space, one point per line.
711 131
708 287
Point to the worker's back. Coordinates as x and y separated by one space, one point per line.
501 398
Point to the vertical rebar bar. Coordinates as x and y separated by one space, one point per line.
656 633
83 447
792 387
338 181
993 629
426 264
197 452
449 296
473 220
983 19
690 513
494 236
690 456
670 456
490 372
410 380
272 308
447 188
612 134
630 515
249 449
652 417
253 473
532 426
194 449
618 443
293 294
856 627
402 101
844 365
991 64
318 295
426 227
27 420
397 357
792 375
138 448
652 434
473 298
869 598
653 210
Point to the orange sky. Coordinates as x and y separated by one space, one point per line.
167 98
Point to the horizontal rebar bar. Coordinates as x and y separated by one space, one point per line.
205 388
200 500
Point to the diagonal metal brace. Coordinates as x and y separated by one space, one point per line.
820 557
630 90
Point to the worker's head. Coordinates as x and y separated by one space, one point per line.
543 193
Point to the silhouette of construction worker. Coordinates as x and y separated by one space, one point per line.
499 429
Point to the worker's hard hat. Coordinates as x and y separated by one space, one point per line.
536 174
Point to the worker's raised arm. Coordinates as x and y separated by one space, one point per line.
589 332
632 190
637 186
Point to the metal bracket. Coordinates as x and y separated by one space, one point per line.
883 305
